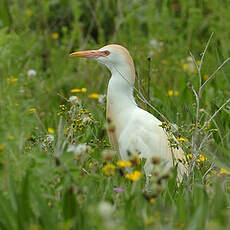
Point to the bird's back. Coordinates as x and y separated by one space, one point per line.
144 134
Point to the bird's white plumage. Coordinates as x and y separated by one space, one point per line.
136 130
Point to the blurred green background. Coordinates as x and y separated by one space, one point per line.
38 35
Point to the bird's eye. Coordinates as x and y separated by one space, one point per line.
106 52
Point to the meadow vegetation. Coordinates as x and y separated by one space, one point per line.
57 168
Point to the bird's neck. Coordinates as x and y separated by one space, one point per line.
120 100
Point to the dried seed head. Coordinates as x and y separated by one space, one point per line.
156 160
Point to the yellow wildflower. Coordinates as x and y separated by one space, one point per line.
133 176
124 164
223 171
152 201
198 62
181 139
35 227
28 148
55 36
176 93
90 164
189 156
201 158
12 79
75 90
76 157
185 66
206 77
2 147
170 93
164 123
48 90
11 137
51 131
83 90
31 110
173 93
29 12
94 95
108 169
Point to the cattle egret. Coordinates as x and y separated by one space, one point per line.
136 130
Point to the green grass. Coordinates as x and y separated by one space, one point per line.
42 185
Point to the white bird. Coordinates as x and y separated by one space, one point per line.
136 130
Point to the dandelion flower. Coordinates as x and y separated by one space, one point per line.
170 93
11 137
176 93
223 172
75 90
32 110
201 158
124 164
31 73
109 169
189 156
182 139
55 36
51 130
2 147
133 176
173 93
29 12
94 96
12 79
83 90
185 66
206 77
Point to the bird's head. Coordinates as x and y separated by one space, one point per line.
115 57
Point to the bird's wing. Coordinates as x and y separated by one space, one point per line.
143 134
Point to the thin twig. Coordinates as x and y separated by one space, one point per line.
206 173
214 73
149 78
205 50
197 104
217 111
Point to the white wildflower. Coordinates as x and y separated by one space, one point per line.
156 44
21 90
190 64
78 149
101 99
74 100
86 119
105 209
49 138
31 73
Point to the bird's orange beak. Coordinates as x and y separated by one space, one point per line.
90 54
